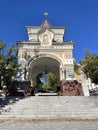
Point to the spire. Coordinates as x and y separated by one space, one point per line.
46 23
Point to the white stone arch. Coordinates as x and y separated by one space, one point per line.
53 56
60 74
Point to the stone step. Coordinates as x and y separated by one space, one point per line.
56 107
50 116
53 113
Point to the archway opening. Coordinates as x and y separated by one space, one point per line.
41 69
46 82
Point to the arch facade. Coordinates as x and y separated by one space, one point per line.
45 48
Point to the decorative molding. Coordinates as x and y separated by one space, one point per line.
68 61
46 38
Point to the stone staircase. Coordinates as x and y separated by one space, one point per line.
51 107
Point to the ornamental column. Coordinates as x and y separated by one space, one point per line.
62 73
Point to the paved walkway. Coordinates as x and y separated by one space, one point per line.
49 113
50 107
48 125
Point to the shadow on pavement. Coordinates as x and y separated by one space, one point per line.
9 100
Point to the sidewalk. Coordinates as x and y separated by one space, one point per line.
48 125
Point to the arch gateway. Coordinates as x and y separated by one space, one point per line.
45 50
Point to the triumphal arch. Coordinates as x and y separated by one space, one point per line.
44 51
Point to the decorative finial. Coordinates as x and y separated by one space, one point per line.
46 24
46 15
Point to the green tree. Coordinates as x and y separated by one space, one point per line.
2 60
38 82
46 87
77 68
90 66
8 64
51 82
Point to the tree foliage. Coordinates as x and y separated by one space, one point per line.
51 82
38 81
90 66
8 64
77 68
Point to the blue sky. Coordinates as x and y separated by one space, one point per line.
80 17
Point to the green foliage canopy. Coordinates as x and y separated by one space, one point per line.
51 82
90 66
8 64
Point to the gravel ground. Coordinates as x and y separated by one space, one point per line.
48 125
